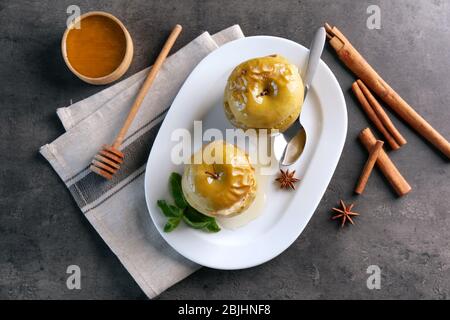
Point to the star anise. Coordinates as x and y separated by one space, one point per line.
287 179
344 214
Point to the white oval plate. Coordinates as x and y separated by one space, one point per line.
286 213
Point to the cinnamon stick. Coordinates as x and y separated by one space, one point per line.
368 167
384 118
373 116
387 167
359 66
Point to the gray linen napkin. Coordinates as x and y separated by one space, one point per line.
117 208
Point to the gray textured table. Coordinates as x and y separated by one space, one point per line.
42 231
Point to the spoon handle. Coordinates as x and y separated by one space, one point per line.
315 52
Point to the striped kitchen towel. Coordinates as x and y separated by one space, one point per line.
117 208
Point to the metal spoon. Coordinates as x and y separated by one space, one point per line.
289 145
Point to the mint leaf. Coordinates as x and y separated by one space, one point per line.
195 225
213 226
170 211
171 224
195 216
183 211
197 220
176 190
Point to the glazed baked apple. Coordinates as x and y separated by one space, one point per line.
221 182
264 92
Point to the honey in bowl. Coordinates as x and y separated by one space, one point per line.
100 50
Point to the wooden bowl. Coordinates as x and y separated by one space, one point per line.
121 68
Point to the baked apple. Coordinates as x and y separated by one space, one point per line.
220 181
264 92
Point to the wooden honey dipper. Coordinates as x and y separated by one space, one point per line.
108 160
